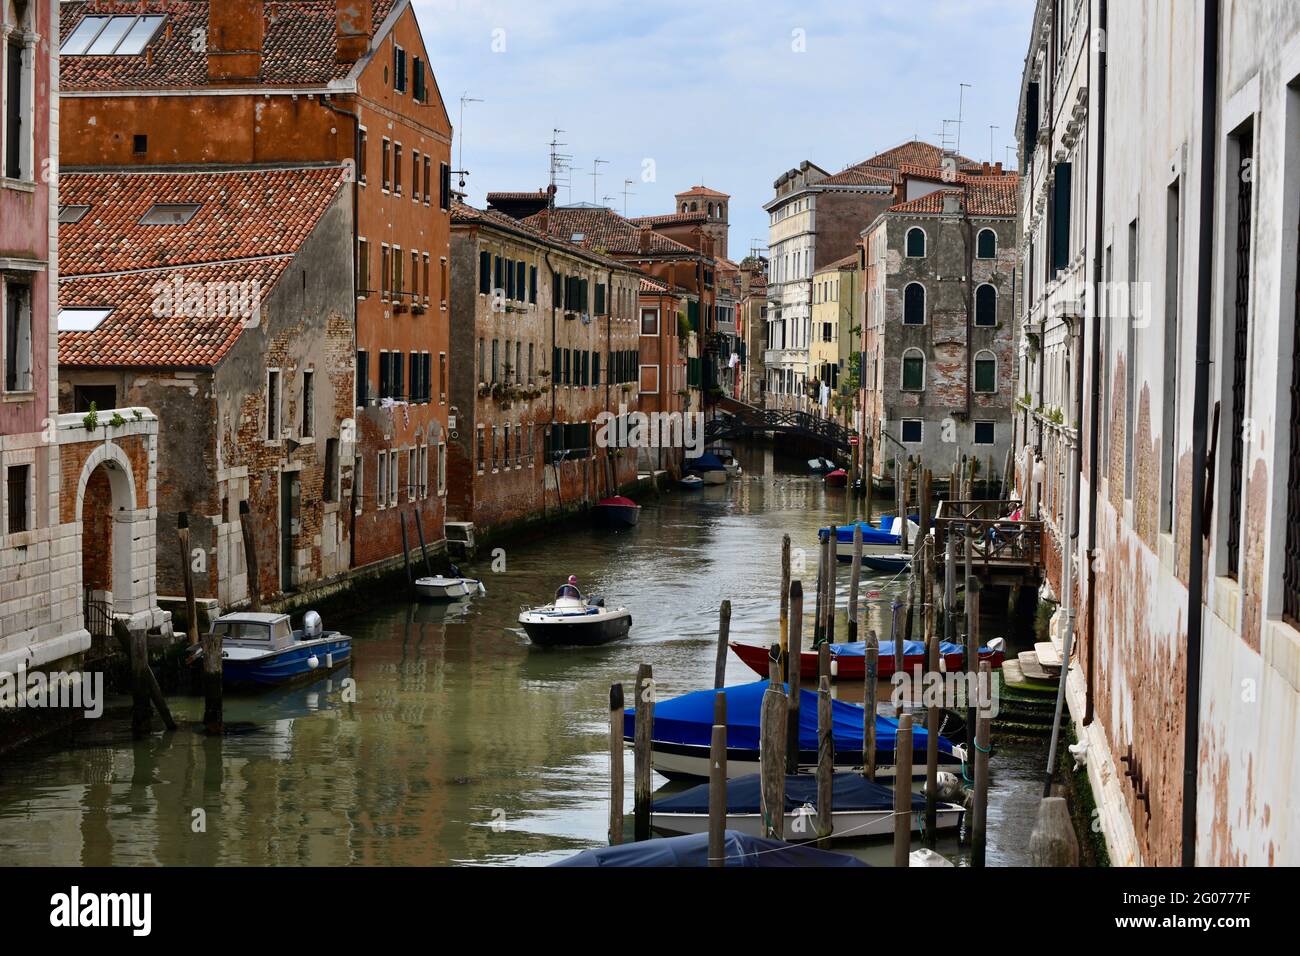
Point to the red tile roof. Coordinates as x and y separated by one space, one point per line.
464 214
915 153
703 191
670 219
249 226
606 230
861 176
980 195
516 197
653 286
297 50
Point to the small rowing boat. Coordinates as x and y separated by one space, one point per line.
617 512
848 660
440 588
738 849
860 809
837 478
887 563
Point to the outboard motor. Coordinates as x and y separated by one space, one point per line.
311 625
596 601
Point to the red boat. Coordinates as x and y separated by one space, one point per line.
847 667
837 478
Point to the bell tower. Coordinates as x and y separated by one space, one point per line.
714 206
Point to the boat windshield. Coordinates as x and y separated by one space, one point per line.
568 591
242 630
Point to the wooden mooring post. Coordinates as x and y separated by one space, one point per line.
785 604
641 752
424 550
870 684
406 551
980 805
772 753
615 764
187 575
828 606
794 660
145 692
855 578
718 782
250 559
897 639
825 758
724 633
973 666
931 733
817 597
903 791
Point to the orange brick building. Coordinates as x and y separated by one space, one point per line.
298 82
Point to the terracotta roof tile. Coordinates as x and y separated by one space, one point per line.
465 214
298 48
249 226
704 191
604 229
981 196
670 219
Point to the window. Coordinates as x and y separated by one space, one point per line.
444 193
415 175
649 321
986 306
985 433
1059 211
530 363
520 275
496 360
442 468
399 285
18 336
986 244
385 268
381 500
913 371
428 182
385 171
139 144
419 91
532 284
423 479
479 450
358 488
916 243
273 405
68 215
111 36
412 459
415 278
986 372
485 273
1240 343
308 401
914 304
17 497
361 155
442 377
169 214
103 397
392 478
363 378
399 69
363 269
397 169
911 431
330 487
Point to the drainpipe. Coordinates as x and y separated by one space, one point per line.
1200 425
1094 440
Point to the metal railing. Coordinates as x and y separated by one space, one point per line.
984 529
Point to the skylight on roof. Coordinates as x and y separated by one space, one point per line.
579 236
81 320
71 214
111 36
169 214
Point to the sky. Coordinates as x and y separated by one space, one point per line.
722 93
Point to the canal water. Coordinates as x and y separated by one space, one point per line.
464 744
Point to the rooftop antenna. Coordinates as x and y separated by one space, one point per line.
626 192
961 102
1009 157
607 201
460 155
991 129
595 175
560 167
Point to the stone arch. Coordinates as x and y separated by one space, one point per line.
107 513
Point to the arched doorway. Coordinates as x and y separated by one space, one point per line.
106 513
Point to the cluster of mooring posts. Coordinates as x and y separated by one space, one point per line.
932 585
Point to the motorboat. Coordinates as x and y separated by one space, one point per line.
709 468
848 660
440 588
738 849
887 563
860 809
820 466
838 478
262 649
617 512
683 729
574 620
874 539
691 482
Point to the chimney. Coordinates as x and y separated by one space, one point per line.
952 201
236 29
352 26
544 222
998 167
645 240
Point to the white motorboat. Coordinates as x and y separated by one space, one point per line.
439 588
572 620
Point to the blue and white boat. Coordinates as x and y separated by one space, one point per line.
738 849
264 650
859 808
709 468
683 730
874 539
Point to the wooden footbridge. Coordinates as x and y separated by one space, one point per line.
739 420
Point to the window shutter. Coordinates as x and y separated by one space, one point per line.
1061 218
485 272
532 284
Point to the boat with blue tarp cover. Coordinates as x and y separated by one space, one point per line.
848 660
874 539
859 808
683 729
709 468
739 849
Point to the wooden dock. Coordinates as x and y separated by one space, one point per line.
991 546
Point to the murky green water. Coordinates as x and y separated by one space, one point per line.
465 744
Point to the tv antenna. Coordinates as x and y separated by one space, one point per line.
561 167
595 175
961 103
626 192
991 129
460 154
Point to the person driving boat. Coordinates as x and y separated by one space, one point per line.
569 589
